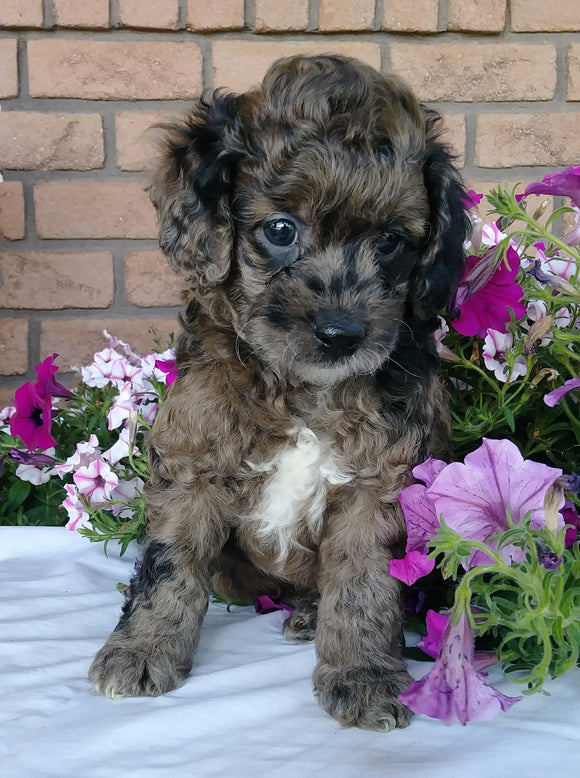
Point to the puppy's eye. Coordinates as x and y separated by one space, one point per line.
388 243
280 232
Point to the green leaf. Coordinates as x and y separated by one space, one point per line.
17 494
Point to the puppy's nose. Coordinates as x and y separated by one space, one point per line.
339 336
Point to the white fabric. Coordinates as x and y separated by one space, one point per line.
247 709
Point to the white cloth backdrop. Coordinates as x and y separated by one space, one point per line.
246 710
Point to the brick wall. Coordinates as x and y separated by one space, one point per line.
80 83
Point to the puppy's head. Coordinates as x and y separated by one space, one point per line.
325 211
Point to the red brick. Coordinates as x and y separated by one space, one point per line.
11 210
160 15
41 280
573 72
7 396
406 16
114 70
540 16
93 209
568 222
21 13
453 134
207 15
76 339
79 13
137 139
345 15
466 72
8 68
477 16
511 140
13 346
50 141
150 281
257 56
280 15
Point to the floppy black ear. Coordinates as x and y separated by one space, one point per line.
192 188
443 255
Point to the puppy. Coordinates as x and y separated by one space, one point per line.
319 225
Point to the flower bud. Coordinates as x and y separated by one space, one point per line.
552 503
540 209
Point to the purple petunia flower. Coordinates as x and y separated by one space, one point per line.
566 183
572 521
46 386
30 458
432 643
422 523
486 294
266 603
553 398
454 689
473 496
32 420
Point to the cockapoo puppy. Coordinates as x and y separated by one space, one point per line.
319 225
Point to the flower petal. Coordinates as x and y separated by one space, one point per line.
411 567
553 398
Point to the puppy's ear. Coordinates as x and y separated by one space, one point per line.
192 189
443 255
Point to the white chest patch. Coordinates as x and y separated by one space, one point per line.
294 496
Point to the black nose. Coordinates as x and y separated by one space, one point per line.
339 336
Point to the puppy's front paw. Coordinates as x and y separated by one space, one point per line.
363 698
123 670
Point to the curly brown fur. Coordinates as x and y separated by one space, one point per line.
319 224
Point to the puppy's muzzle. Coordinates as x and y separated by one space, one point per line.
339 335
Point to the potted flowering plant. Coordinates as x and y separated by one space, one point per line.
498 526
501 527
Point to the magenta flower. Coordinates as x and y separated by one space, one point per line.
169 368
414 565
436 624
453 689
566 183
572 521
486 293
32 420
46 385
432 643
472 198
553 398
473 496
422 523
267 603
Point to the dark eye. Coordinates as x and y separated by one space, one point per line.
280 232
388 243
